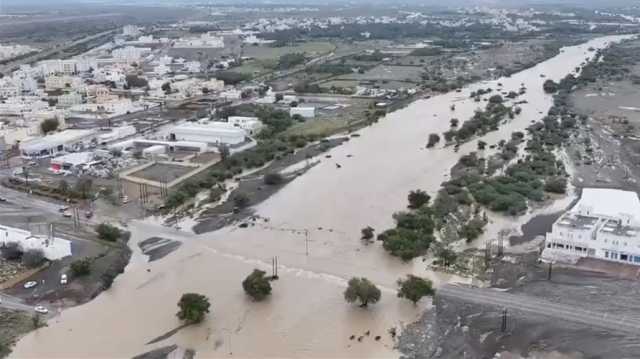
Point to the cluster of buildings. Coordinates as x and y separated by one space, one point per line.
604 224
11 51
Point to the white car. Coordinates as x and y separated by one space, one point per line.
30 284
40 309
63 279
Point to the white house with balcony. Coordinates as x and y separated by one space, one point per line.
604 224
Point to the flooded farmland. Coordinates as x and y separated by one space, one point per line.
313 227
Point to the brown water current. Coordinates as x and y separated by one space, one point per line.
306 315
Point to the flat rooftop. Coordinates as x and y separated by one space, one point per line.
577 221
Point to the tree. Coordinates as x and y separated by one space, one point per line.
63 186
495 99
193 308
481 145
446 256
433 140
367 233
224 151
11 251
49 125
166 87
418 198
83 186
256 285
279 97
133 80
556 185
107 232
550 86
362 290
414 288
81 267
454 122
33 258
205 90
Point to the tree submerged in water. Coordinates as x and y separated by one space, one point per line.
362 290
193 308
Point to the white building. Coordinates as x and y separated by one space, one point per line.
52 248
130 54
55 82
603 225
47 146
305 112
211 133
130 30
117 133
192 66
69 99
251 125
204 41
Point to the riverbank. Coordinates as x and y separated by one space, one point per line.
314 230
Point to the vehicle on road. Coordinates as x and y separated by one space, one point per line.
88 214
67 214
2 199
30 284
40 309
125 199
63 209
63 279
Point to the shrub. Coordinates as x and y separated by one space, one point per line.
433 140
256 285
273 179
32 258
81 267
556 185
367 233
241 200
108 232
12 251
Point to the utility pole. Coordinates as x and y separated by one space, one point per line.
504 320
306 241
549 271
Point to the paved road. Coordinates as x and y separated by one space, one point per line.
13 303
537 306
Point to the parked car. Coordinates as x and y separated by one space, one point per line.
67 214
2 199
125 199
88 214
63 209
30 284
40 309
63 279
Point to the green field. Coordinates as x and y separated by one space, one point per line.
311 49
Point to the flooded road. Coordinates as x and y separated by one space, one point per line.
314 228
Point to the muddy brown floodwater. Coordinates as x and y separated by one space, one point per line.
306 315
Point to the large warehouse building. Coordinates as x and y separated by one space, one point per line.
212 133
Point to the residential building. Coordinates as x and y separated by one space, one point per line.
604 224
251 125
69 99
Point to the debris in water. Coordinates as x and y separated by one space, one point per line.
338 165
360 338
377 337
352 337
367 333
